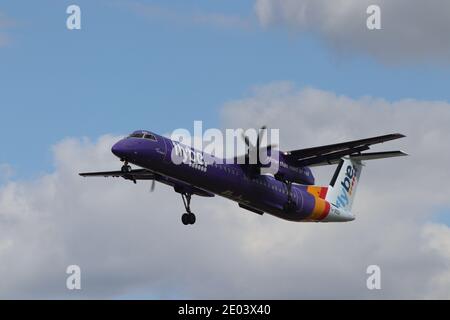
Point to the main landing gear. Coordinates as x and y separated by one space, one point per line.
289 206
188 217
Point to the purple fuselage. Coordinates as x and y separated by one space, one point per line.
260 192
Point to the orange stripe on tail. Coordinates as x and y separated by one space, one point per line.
321 209
320 192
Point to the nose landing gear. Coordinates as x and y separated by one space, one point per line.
126 168
188 217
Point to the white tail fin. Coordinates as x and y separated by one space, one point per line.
342 189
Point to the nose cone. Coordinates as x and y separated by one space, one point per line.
119 149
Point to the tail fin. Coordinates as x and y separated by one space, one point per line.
342 189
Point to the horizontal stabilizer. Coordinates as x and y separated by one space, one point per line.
365 156
379 155
331 154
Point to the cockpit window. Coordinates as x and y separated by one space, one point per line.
136 135
141 135
149 137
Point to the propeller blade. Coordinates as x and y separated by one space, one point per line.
152 188
271 146
246 140
261 133
248 144
251 147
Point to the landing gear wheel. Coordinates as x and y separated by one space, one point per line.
126 168
188 217
191 218
185 219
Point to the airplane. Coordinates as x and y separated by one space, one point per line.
288 194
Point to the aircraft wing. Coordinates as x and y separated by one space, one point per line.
329 154
136 174
143 174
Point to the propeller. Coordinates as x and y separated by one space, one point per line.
262 131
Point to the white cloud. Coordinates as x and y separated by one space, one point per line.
437 238
128 240
411 30
6 171
396 196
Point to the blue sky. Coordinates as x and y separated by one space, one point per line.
126 70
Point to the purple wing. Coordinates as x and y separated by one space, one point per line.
143 174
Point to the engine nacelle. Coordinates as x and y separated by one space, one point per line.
302 175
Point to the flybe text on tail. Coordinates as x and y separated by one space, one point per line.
347 186
343 188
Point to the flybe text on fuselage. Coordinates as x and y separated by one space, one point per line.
185 154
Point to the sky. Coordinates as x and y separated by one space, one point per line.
137 60
310 68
